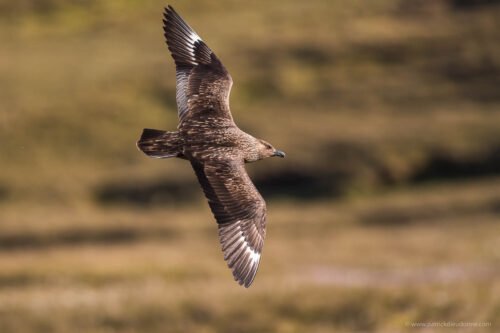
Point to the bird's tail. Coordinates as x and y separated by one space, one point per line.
160 144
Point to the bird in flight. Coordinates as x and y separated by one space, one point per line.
216 148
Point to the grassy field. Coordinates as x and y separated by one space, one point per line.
383 215
366 264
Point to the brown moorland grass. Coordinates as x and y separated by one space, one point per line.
377 273
385 212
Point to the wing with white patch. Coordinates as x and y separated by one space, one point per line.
240 212
203 84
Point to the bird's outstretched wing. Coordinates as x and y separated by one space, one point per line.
203 84
240 212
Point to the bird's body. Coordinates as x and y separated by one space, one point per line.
208 137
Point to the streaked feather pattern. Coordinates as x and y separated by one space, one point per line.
240 212
217 149
202 81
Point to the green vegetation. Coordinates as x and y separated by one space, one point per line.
384 213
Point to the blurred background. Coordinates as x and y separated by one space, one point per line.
385 212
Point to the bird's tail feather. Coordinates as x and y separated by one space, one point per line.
160 144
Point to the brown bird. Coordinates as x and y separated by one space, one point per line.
217 149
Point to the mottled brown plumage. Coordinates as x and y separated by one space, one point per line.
217 149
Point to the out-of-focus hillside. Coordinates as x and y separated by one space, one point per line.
384 213
359 95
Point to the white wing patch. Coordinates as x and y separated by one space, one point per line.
193 38
239 253
254 255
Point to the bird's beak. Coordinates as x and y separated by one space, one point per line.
279 153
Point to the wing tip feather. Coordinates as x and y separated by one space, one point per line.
245 272
185 45
240 256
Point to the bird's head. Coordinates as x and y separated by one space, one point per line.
267 150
